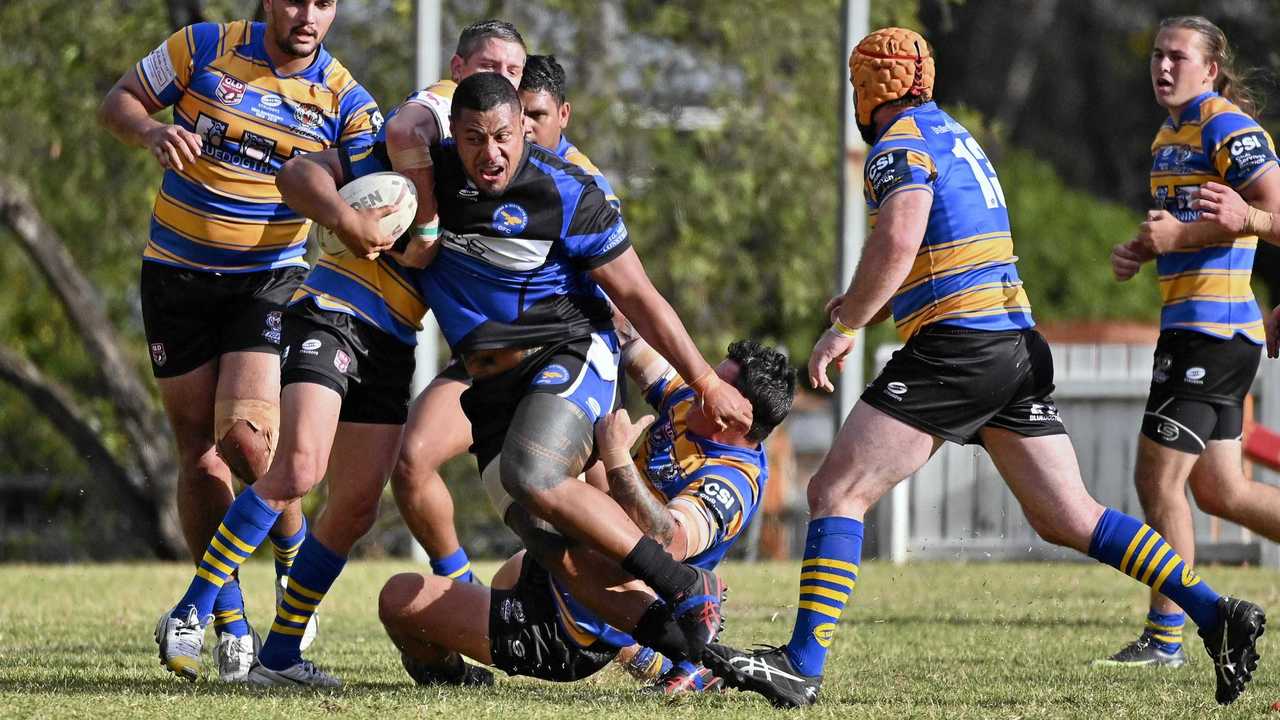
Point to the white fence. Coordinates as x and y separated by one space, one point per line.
958 508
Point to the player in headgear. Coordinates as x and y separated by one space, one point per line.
940 259
1210 327
225 253
889 65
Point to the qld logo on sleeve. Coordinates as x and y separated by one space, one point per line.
552 375
510 219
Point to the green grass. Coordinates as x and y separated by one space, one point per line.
924 640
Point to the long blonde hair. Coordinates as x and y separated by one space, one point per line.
1231 83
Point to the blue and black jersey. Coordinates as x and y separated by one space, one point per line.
513 268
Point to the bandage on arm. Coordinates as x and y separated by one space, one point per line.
643 364
410 134
696 524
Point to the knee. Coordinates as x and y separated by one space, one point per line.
831 495
397 597
414 469
203 463
527 480
293 475
1068 527
247 450
1215 496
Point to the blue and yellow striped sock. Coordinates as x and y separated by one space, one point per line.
456 566
832 551
243 529
1138 551
228 610
312 575
285 549
1165 630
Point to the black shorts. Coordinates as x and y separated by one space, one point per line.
951 382
525 637
455 370
573 369
369 368
1198 385
191 316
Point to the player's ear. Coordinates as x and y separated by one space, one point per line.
565 111
455 67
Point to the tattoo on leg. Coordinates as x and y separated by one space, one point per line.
651 516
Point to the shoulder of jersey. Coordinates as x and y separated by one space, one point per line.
576 157
443 88
903 132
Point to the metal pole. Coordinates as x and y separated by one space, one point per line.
426 71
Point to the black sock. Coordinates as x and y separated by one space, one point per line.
658 630
650 562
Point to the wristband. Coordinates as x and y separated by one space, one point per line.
428 232
1257 222
414 158
614 458
840 328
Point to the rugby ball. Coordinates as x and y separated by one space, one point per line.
372 191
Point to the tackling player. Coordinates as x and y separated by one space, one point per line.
225 253
973 370
1210 327
689 484
437 430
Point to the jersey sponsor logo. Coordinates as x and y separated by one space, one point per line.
214 131
274 322
1173 158
257 147
1160 372
341 360
594 405
1043 412
510 219
888 171
157 66
718 497
1168 431
376 120
468 193
1195 375
271 101
616 237
824 633
310 346
552 375
158 355
896 390
1248 153
308 115
230 91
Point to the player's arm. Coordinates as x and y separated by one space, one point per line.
126 113
309 184
642 363
887 256
411 132
1237 215
615 434
1162 232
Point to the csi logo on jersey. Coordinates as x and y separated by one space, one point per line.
510 219
213 130
1249 152
552 375
308 115
230 91
887 171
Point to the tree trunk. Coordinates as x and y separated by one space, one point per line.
142 423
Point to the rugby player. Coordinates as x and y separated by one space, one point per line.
437 430
225 253
974 370
1211 330
689 484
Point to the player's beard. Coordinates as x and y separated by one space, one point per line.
289 47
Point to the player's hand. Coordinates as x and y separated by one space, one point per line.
831 347
173 147
1127 259
1159 234
1222 206
419 253
359 231
616 431
724 405
833 306
1271 325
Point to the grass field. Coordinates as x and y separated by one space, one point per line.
924 640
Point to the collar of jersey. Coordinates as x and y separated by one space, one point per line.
929 106
1192 110
257 49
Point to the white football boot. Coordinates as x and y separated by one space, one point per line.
235 655
303 674
181 639
313 624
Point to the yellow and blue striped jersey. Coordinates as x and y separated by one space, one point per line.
223 213
436 97
726 482
381 292
1207 289
570 153
964 274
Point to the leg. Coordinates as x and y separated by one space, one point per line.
437 431
1161 478
1220 488
428 617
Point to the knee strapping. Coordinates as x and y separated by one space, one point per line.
246 431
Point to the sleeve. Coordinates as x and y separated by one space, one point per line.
360 160
361 119
579 158
1240 149
725 495
662 394
166 71
596 233
892 169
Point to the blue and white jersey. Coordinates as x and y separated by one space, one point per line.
513 268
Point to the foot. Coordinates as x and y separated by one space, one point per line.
181 639
1232 645
1144 652
696 610
767 671
235 655
461 673
679 680
313 624
303 674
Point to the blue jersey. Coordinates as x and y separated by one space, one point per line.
724 482
1207 289
223 212
567 151
513 269
964 273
